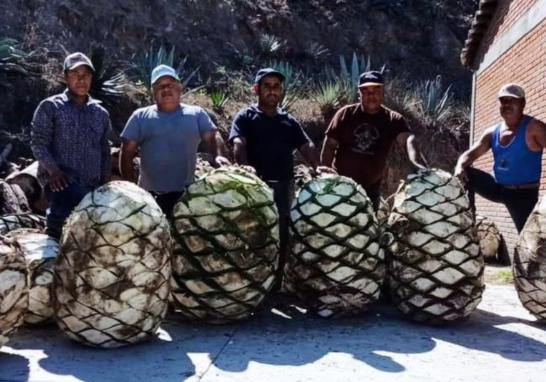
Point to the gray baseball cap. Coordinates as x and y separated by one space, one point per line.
512 90
74 60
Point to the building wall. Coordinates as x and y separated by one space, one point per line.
524 63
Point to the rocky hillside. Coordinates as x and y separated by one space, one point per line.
418 37
415 40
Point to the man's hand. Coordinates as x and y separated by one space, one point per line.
221 161
460 173
58 180
323 170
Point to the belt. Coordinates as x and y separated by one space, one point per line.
529 186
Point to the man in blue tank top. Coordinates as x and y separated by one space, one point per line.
516 144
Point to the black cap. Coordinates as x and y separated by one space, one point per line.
266 72
373 78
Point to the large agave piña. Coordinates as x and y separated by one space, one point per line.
15 221
40 252
112 275
337 264
436 269
530 262
13 288
226 246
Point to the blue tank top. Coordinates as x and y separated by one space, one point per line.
514 163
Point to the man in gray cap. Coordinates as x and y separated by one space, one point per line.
69 141
168 134
516 143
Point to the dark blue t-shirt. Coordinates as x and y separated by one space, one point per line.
270 141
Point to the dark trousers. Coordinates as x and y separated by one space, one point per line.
519 203
167 201
61 204
283 194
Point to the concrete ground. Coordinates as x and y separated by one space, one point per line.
499 342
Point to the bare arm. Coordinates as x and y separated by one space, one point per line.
216 147
407 142
309 152
128 152
477 150
537 130
328 152
239 151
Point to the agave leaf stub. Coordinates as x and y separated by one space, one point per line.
112 276
336 265
436 268
226 246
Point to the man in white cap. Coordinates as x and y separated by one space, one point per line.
360 136
69 141
517 143
168 134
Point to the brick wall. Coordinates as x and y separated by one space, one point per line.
524 63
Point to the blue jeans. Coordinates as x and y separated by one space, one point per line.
61 204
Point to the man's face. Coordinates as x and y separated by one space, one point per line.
269 91
167 93
372 97
511 109
79 80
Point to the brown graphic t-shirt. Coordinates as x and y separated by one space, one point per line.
364 142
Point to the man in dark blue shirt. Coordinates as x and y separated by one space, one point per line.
265 137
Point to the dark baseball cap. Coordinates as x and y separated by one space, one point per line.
75 60
372 78
267 72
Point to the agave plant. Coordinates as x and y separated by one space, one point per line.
270 45
110 82
434 103
316 51
153 58
219 99
331 96
12 59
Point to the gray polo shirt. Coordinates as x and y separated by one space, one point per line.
168 145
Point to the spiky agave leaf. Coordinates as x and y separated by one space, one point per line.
112 275
14 221
13 288
337 264
226 246
436 268
530 263
40 252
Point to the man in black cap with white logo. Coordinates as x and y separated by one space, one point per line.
264 136
360 136
69 141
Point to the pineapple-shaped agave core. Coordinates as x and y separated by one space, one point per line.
226 246
435 267
336 265
112 275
